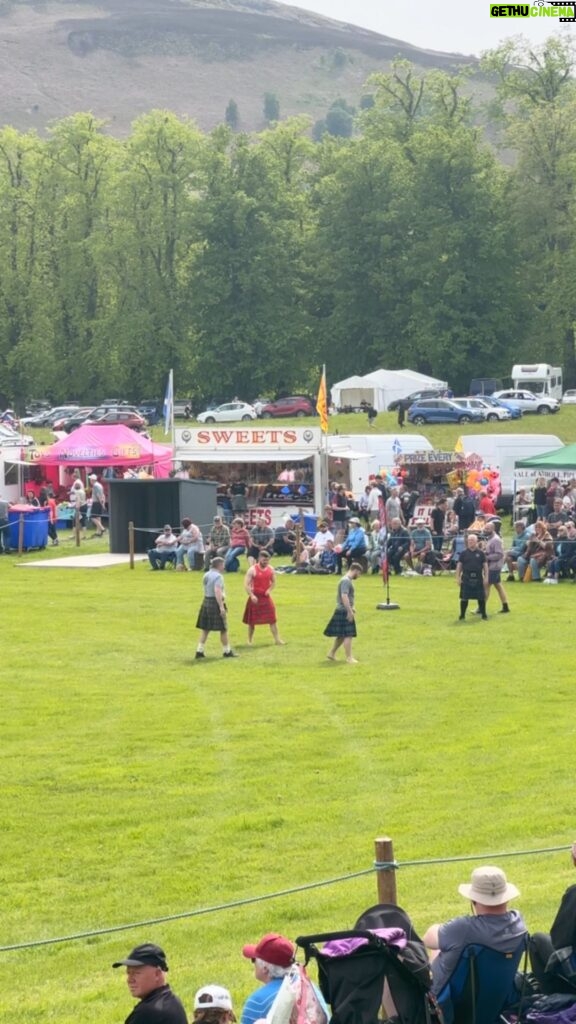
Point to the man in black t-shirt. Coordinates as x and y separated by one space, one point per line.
472 576
146 969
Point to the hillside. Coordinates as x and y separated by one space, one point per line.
120 58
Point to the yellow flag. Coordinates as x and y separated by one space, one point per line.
322 403
459 447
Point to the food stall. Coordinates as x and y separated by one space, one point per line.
282 467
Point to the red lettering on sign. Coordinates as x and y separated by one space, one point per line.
242 437
290 436
258 436
223 435
203 436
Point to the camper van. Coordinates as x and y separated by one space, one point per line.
540 378
502 451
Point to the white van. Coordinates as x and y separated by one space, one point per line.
502 451
367 454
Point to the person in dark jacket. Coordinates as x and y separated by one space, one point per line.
464 508
146 969
553 956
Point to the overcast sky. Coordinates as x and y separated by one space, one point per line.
460 26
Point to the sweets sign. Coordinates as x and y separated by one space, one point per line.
247 442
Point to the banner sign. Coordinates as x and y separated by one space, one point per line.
243 443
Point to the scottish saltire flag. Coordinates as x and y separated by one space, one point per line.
168 407
396 446
322 402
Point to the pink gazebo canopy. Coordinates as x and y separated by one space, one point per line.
108 446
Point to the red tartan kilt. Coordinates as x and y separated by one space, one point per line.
261 614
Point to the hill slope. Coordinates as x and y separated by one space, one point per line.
120 58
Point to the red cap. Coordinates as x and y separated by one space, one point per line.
272 948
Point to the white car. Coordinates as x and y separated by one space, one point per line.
230 412
569 397
491 412
529 402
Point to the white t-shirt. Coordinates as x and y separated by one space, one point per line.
320 539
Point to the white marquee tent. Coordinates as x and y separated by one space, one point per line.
381 387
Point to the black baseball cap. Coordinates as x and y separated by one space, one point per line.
146 955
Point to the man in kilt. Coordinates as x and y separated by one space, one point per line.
472 576
260 610
342 625
212 615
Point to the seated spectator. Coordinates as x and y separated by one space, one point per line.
478 524
490 924
272 957
239 543
553 956
522 534
563 565
353 546
218 542
213 1005
190 543
321 538
285 538
261 539
558 517
398 545
422 555
450 561
165 549
376 542
539 551
326 562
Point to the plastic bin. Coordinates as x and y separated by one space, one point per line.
35 526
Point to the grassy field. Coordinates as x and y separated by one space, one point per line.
138 783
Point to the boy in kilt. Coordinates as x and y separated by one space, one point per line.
342 625
212 616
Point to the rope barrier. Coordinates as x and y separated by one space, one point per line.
377 866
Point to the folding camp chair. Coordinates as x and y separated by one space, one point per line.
482 985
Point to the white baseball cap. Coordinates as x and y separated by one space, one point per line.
213 997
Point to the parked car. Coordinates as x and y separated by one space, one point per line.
122 415
490 412
416 396
295 405
529 402
48 419
569 397
514 410
182 408
70 423
442 410
228 413
150 410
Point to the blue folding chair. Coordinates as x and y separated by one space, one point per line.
482 985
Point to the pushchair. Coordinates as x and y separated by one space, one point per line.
353 974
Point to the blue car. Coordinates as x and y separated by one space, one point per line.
514 409
442 410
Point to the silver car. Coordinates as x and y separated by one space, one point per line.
491 412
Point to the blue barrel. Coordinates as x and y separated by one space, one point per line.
35 526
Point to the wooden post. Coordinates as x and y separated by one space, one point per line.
77 526
298 548
386 875
131 543
21 534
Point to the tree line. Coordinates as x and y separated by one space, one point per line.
245 262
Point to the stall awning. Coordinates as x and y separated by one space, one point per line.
184 455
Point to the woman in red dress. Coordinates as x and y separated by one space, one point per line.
260 580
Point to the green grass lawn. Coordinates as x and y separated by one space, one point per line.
139 783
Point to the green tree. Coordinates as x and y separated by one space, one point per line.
537 98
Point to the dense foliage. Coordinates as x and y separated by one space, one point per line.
246 262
